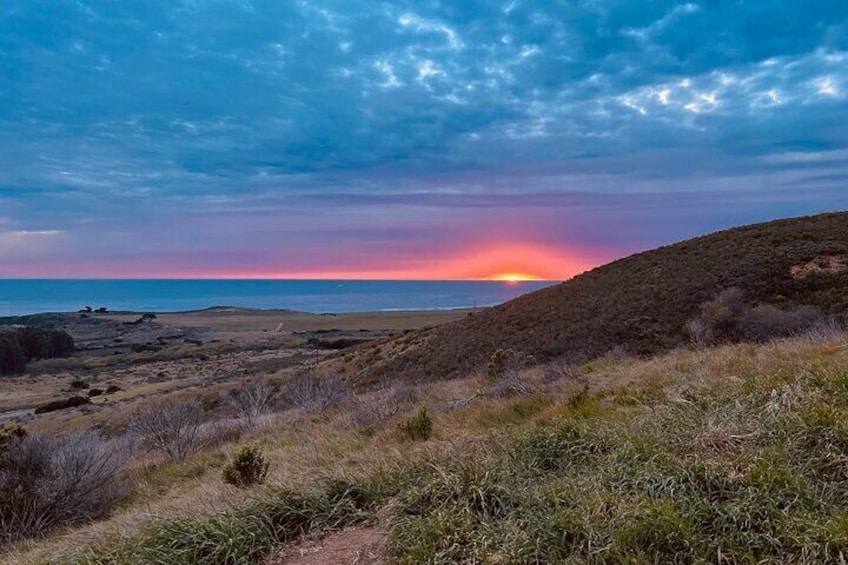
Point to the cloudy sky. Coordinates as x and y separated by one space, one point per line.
423 139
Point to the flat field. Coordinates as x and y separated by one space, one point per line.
184 353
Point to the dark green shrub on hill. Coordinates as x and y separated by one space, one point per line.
70 402
12 357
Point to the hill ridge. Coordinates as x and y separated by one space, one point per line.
640 303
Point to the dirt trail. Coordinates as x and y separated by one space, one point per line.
358 546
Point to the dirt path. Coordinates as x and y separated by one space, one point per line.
358 546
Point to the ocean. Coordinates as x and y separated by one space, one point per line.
28 296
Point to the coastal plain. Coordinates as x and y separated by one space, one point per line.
183 353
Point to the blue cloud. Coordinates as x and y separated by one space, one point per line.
118 117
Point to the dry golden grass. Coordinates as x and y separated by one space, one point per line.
225 346
239 320
301 445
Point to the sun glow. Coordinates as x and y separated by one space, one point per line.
514 277
509 263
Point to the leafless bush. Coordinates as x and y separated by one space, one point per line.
699 334
510 382
510 385
50 482
407 393
562 371
375 409
171 427
217 432
617 353
316 392
506 360
250 402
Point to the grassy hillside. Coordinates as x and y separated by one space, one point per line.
639 304
734 455
731 453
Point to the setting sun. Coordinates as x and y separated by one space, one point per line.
514 277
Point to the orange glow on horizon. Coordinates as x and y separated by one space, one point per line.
507 262
511 263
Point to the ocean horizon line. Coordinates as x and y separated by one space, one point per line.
26 296
272 279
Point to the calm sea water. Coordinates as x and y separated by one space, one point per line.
19 297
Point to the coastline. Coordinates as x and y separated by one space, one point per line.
31 297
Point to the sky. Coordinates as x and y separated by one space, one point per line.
406 139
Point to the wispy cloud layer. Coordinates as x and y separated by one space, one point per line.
235 135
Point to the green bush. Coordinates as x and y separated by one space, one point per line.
417 428
248 466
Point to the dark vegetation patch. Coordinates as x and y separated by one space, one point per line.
21 345
641 304
46 320
70 402
340 343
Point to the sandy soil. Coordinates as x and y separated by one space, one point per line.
356 546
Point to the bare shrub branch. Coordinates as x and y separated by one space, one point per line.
564 370
504 371
250 402
510 383
171 427
316 392
376 409
50 482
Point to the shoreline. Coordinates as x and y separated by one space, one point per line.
30 298
241 320
238 310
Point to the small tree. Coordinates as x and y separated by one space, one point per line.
172 427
